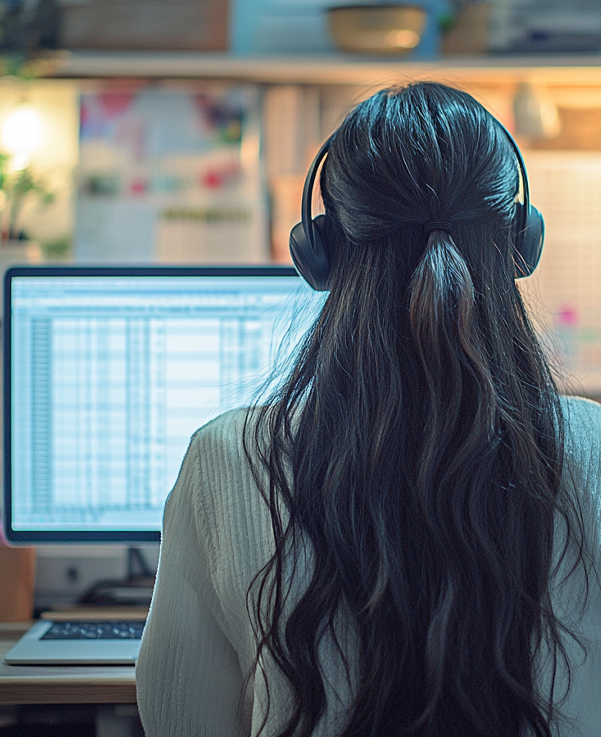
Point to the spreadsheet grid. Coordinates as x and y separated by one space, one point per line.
107 394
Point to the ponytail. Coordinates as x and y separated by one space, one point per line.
441 315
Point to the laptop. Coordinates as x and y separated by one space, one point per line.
107 373
100 642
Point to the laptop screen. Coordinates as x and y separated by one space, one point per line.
108 372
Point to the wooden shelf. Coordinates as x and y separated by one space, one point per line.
331 69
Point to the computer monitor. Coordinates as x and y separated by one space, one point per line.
109 371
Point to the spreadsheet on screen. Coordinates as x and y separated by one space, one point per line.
110 376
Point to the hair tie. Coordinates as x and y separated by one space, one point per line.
438 225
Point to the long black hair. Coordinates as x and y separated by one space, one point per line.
417 446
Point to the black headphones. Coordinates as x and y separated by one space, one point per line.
308 242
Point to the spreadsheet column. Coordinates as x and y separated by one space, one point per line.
89 415
41 412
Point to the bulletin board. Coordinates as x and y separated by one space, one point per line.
171 175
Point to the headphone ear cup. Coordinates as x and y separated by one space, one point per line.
310 253
528 242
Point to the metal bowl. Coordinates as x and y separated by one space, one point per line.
376 29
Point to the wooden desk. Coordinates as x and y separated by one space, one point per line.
66 684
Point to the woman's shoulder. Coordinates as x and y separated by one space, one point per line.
218 448
582 421
227 498
579 408
222 454
228 426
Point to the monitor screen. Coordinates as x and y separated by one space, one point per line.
109 371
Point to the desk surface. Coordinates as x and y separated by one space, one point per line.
66 684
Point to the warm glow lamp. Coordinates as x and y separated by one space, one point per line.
21 134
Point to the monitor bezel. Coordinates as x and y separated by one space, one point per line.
89 536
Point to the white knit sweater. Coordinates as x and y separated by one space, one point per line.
198 643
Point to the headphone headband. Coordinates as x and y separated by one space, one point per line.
307 202
523 212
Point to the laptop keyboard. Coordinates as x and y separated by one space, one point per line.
127 630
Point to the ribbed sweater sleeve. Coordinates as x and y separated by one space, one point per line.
189 677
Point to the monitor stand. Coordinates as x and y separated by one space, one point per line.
134 590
